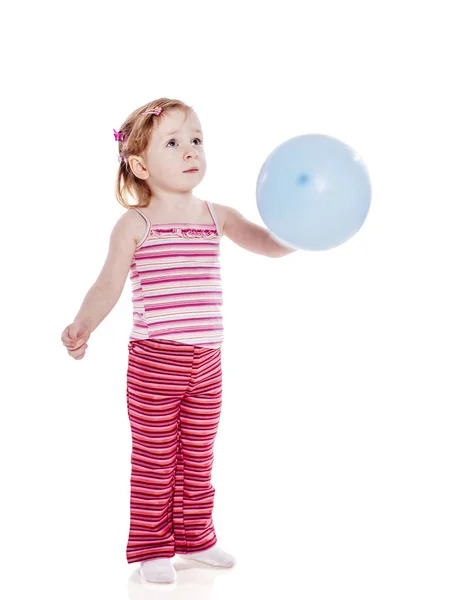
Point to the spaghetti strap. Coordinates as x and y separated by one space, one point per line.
148 226
213 215
142 213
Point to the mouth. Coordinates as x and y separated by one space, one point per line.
191 171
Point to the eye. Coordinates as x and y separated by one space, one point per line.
172 142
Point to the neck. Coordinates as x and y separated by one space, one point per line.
173 200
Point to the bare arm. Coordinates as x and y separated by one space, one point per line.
251 236
106 290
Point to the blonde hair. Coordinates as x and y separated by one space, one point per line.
137 129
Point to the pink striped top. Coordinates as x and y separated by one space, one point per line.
176 283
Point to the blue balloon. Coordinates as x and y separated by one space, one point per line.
313 192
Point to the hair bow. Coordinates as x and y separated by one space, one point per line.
155 111
120 136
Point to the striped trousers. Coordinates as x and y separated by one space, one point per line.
174 396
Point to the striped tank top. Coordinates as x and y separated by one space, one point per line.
176 283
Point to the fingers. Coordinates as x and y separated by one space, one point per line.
77 344
73 343
64 336
79 352
68 341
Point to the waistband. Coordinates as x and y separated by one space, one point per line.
169 345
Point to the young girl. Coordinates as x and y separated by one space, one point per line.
168 242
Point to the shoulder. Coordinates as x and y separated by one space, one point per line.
226 215
133 223
130 225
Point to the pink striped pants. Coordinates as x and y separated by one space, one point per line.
174 396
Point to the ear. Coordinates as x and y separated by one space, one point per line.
138 167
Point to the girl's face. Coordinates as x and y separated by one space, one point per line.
176 146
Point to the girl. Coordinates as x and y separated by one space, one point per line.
168 243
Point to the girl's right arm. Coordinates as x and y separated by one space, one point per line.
106 290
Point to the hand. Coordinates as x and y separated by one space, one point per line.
74 337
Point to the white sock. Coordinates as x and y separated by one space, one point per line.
213 556
158 570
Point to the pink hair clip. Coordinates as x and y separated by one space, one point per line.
120 136
155 111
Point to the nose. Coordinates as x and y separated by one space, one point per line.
190 153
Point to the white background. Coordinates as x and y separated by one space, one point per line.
333 460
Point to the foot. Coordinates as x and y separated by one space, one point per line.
158 570
213 556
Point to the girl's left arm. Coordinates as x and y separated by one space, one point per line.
251 236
